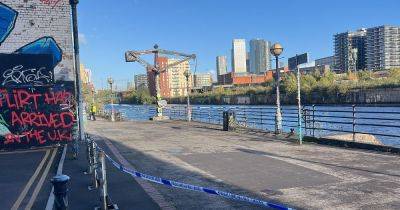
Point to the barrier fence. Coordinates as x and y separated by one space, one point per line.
317 121
97 168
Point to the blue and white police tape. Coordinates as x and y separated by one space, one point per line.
181 185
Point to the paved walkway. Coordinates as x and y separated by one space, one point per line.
308 176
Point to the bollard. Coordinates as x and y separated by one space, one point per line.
225 123
60 191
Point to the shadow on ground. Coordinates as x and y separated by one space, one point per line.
184 199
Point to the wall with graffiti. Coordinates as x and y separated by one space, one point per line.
37 105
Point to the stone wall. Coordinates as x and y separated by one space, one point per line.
40 21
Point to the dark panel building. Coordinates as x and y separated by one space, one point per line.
302 58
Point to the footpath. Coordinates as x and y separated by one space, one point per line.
309 176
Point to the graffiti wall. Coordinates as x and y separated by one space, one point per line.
37 105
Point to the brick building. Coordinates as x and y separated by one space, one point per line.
247 79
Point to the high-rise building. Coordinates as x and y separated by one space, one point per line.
260 56
239 56
202 80
86 74
383 47
140 81
247 62
326 61
222 65
177 78
350 50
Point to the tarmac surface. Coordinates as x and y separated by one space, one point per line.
24 178
309 176
25 181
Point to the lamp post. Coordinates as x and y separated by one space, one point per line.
78 88
299 102
93 93
276 50
188 108
110 82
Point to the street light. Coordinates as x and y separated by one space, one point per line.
93 94
110 82
187 74
276 50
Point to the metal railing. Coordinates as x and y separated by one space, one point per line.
97 168
317 121
320 121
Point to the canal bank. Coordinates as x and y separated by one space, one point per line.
308 176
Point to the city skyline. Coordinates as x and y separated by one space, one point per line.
296 34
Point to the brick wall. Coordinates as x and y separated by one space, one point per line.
36 19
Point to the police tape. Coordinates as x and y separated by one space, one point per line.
181 185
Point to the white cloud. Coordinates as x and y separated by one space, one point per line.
82 39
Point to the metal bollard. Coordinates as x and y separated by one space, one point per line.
60 191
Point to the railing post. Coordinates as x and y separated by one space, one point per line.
104 195
313 120
261 119
89 152
95 184
245 117
354 122
209 114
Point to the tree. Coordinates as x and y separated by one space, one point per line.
289 83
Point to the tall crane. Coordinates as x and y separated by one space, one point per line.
134 56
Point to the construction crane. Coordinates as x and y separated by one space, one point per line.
134 56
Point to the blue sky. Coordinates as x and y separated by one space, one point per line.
206 27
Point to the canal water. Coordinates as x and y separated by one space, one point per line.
383 122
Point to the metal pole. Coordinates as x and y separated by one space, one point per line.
78 89
112 101
89 157
313 120
104 194
299 103
189 111
278 115
95 164
354 122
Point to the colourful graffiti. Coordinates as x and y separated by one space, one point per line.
34 109
8 17
44 45
37 116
